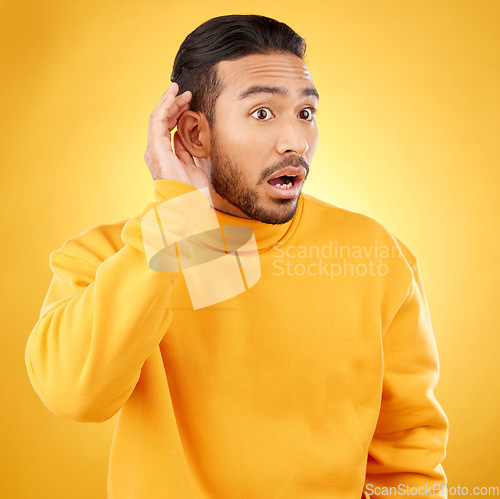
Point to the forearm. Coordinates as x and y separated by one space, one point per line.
409 444
105 312
84 356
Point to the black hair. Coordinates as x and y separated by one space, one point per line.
227 38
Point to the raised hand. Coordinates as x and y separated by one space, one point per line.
162 161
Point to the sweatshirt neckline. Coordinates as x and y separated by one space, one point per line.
266 235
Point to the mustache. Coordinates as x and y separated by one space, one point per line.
291 161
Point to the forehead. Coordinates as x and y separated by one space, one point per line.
286 70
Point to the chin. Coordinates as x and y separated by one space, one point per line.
285 212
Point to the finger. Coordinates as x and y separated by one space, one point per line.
173 120
181 152
158 122
168 115
179 102
172 89
181 98
167 102
172 104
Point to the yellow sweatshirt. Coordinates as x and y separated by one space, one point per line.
315 382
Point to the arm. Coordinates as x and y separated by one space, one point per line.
100 321
106 310
410 439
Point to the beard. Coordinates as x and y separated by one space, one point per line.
227 180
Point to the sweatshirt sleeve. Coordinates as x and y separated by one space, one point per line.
409 443
101 319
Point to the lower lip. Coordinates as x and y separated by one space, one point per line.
285 193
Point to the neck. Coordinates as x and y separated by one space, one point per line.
225 206
266 235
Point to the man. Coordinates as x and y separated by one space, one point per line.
312 379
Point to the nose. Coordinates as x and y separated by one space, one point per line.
292 138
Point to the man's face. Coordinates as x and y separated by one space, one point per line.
265 127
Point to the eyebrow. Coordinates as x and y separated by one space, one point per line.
258 89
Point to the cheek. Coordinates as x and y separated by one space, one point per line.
245 142
312 140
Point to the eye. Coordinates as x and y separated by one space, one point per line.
262 114
308 113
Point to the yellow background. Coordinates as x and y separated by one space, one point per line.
409 135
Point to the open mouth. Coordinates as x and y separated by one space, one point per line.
284 182
285 186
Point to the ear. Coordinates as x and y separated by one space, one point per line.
194 132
